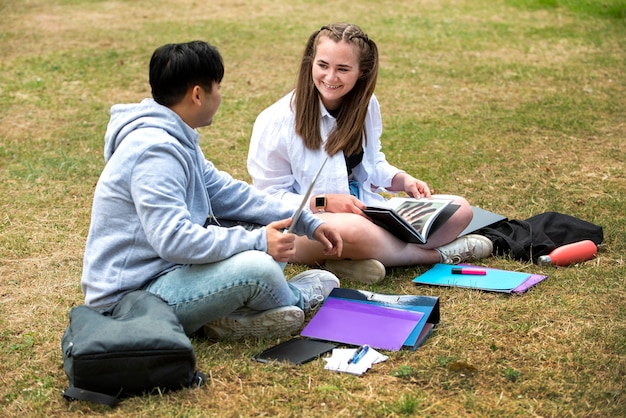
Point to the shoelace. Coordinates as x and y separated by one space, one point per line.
315 302
456 258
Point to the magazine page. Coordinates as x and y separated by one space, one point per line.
419 213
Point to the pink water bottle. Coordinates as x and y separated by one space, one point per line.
569 254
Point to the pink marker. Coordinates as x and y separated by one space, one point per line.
459 270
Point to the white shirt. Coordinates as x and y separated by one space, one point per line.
280 164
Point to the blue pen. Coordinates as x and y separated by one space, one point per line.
358 354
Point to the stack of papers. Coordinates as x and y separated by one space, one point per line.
339 361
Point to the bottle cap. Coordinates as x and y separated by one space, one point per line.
544 260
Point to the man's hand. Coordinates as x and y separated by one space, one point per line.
280 245
331 240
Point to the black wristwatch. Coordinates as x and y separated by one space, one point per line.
320 203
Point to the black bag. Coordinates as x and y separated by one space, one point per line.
539 235
133 346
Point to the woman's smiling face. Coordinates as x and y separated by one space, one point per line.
335 70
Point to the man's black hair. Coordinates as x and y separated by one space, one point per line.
174 68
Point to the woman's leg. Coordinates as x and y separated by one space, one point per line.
363 239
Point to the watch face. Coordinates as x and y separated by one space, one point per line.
320 201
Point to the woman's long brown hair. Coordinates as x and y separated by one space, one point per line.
349 132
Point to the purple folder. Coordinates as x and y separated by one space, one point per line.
357 323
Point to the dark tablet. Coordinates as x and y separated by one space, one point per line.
296 350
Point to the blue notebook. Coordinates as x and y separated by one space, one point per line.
494 281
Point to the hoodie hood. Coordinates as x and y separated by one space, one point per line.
127 118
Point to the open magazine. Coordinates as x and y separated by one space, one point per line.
412 220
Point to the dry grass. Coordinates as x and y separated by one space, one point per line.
516 104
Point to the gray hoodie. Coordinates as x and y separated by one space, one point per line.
152 201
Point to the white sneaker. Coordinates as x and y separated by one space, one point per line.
277 322
367 271
315 286
468 247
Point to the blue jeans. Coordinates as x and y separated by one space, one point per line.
201 293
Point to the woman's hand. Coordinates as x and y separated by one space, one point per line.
403 182
341 203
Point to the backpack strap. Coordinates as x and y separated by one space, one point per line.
73 393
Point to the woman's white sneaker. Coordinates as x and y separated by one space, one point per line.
368 271
465 248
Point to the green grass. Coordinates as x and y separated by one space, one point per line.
516 104
615 9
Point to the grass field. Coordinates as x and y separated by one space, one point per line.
518 105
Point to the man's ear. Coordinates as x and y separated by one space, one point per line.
196 95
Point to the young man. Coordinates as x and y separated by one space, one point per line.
156 211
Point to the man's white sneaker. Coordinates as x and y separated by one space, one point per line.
367 271
315 285
277 322
468 247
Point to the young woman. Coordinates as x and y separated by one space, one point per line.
333 112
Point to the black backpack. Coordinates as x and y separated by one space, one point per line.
539 235
131 347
